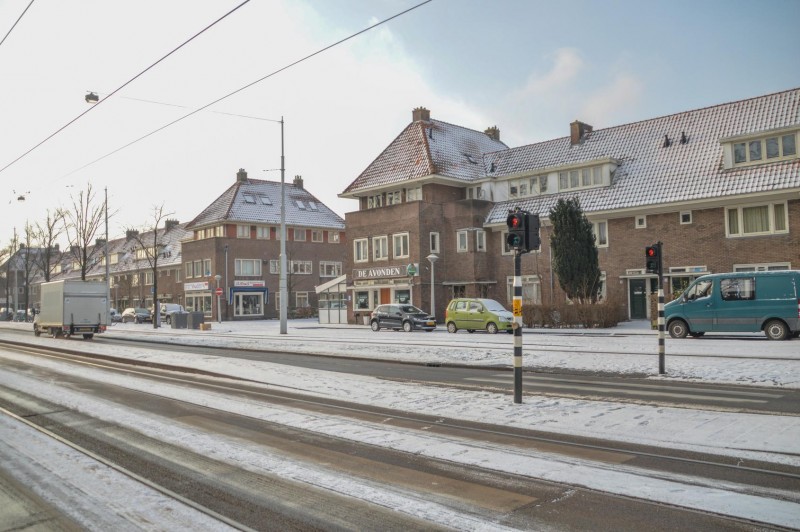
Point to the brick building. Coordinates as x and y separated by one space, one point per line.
237 237
719 186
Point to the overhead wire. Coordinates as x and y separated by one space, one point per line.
15 23
247 86
62 128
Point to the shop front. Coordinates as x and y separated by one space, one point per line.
379 286
248 299
198 297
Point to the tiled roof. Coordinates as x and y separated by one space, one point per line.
651 174
428 147
257 201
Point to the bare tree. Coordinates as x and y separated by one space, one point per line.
6 257
82 224
45 236
149 245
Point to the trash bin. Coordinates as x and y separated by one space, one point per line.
194 319
179 320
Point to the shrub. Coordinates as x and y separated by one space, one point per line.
606 313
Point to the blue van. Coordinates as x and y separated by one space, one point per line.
738 302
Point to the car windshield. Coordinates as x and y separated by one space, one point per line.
411 309
493 305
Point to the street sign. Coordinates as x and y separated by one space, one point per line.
218 291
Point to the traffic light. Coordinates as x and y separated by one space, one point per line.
517 229
533 225
653 259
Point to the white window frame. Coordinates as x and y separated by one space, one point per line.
480 240
262 233
400 240
333 237
380 247
317 235
531 289
329 268
761 143
771 216
301 267
246 265
641 222
596 230
435 242
462 241
505 249
762 267
274 266
361 250
301 300
414 194
242 231
299 235
685 217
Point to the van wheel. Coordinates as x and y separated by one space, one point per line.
491 328
776 330
407 327
678 329
375 325
451 327
696 334
88 336
36 331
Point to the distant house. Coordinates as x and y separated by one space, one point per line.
234 244
719 186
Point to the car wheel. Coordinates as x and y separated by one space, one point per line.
491 328
678 329
470 331
137 320
88 336
510 331
168 320
776 330
36 331
375 325
407 327
451 327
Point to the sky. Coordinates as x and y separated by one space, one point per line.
528 67
745 359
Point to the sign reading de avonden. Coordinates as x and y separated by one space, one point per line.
384 272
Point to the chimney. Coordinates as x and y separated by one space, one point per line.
298 182
169 224
577 132
493 133
241 176
420 113
100 242
131 233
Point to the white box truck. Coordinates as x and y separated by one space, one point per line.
72 307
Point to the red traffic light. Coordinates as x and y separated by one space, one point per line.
651 251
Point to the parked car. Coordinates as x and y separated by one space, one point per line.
168 309
136 315
478 315
116 317
406 317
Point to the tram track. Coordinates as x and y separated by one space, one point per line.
762 476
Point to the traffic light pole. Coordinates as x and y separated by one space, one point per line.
517 327
661 336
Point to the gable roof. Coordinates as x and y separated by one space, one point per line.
425 148
650 174
257 201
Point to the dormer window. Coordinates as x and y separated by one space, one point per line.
745 150
580 178
249 198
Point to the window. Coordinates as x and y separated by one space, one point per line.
301 267
434 238
393 198
206 267
247 267
757 220
505 249
148 278
764 267
219 231
400 244
330 269
380 247
242 231
738 289
316 235
480 240
299 235
274 266
360 250
582 178
249 198
374 201
531 289
301 300
686 217
777 147
262 233
362 301
333 237
600 230
462 238
641 222
414 194
264 199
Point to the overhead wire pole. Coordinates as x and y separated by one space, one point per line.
282 283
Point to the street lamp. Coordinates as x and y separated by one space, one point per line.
432 258
284 297
218 277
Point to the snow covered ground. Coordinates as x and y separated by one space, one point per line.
719 359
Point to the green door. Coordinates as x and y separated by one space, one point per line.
638 298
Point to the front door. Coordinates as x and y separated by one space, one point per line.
638 298
386 296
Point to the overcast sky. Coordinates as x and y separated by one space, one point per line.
529 67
